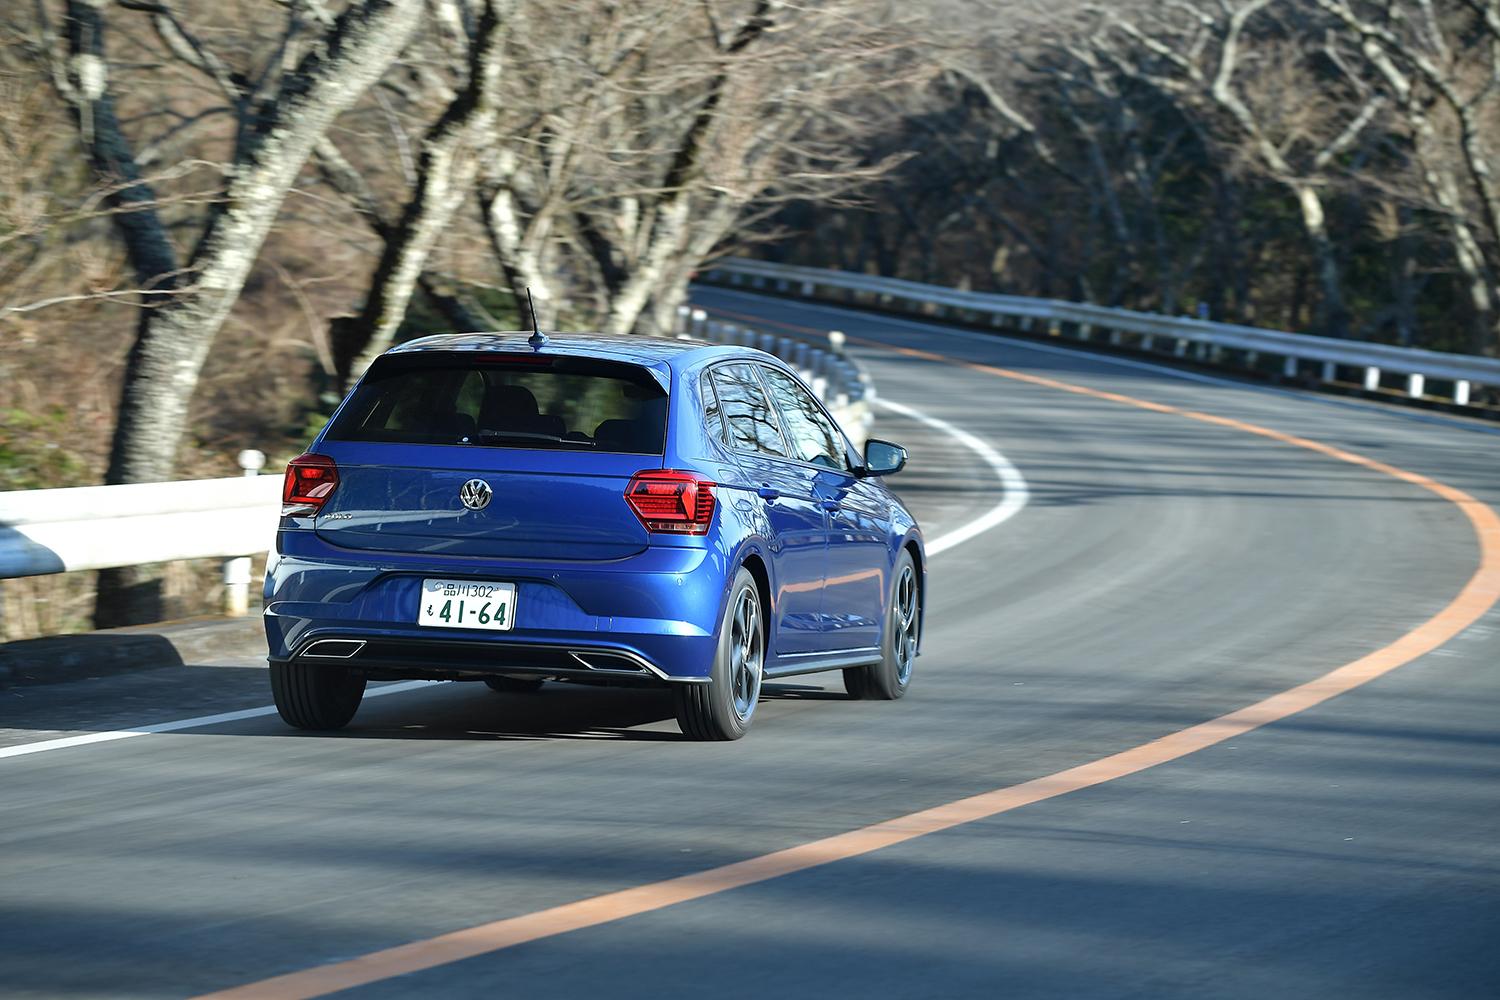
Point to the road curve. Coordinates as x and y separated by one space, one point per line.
1165 572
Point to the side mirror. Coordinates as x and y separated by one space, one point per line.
883 458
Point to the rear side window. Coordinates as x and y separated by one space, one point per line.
747 412
562 403
713 414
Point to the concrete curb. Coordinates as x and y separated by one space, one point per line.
61 658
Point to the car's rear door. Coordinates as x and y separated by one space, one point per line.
783 491
854 583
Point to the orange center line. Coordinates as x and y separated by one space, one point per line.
1475 599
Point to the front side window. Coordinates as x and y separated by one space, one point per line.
747 412
811 435
563 403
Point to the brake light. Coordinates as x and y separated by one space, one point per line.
666 500
310 480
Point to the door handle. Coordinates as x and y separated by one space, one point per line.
769 494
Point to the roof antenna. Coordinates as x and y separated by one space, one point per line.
538 339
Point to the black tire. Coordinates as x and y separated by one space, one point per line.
723 708
315 696
514 685
889 679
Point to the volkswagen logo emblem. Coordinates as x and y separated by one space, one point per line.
476 494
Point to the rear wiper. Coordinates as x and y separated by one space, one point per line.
490 437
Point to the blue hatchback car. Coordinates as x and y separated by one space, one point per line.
607 509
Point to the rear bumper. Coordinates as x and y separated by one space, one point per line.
459 659
650 618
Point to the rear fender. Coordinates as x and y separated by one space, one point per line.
758 547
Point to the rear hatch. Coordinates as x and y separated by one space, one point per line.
554 442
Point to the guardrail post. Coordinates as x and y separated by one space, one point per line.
1330 371
251 461
1372 378
1416 384
237 586
1115 338
237 570
807 289
697 320
836 340
1461 392
1180 348
1289 366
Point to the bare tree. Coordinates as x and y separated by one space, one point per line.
677 120
1443 69
1202 52
450 157
277 130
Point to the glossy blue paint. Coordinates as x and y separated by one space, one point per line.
589 576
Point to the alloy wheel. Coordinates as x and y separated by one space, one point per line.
907 621
747 653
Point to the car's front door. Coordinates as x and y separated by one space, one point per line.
781 491
854 583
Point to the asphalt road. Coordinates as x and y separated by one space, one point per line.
1165 571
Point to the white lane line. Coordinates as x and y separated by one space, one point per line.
86 739
1015 495
1078 353
1012 482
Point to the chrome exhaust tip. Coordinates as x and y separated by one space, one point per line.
334 649
605 662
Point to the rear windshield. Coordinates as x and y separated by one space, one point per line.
573 404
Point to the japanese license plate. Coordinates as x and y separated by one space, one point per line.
467 604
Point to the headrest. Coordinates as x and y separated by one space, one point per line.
509 401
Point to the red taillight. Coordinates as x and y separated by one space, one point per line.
666 500
309 481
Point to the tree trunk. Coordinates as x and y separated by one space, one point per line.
173 339
1333 314
667 238
342 176
1404 282
519 249
130 594
672 291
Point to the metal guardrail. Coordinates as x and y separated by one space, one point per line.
103 527
1183 336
